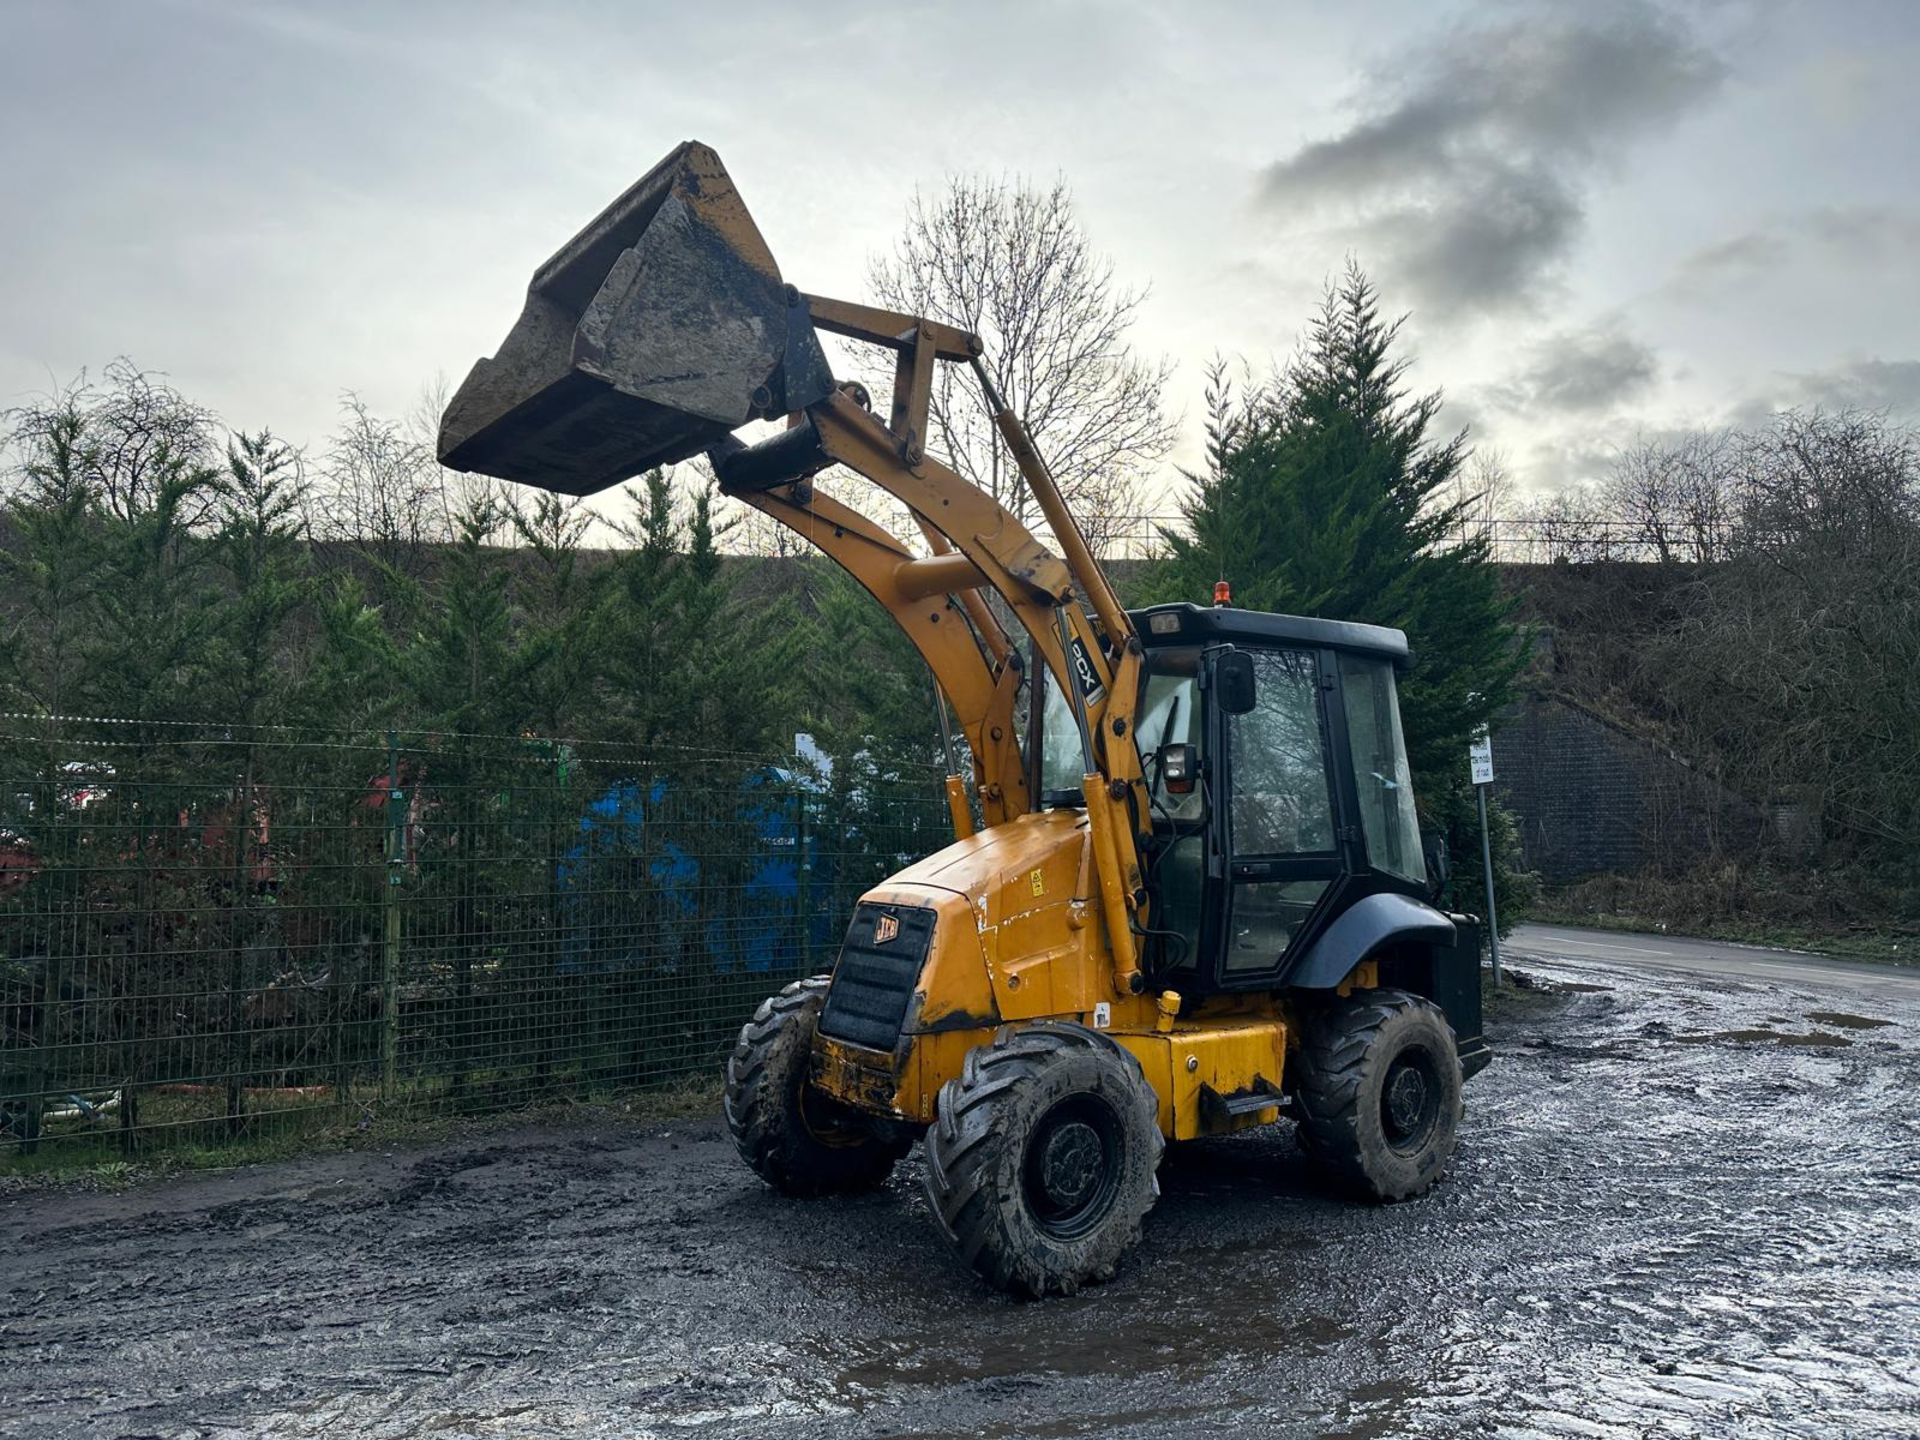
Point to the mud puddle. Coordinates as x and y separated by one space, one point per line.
1844 1021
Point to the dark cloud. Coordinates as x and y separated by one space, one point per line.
1890 385
1498 234
1852 235
1457 414
1564 457
1740 258
1580 372
1466 168
1877 231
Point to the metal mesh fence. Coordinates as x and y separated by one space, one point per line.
207 935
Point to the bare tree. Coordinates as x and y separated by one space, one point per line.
130 436
1840 482
1798 666
1559 525
460 491
1671 497
1481 494
1708 479
1011 264
381 487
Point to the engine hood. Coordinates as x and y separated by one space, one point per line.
1016 920
986 862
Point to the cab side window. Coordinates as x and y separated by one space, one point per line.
1384 783
1281 803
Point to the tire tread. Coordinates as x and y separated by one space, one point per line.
965 1146
1333 1070
761 1111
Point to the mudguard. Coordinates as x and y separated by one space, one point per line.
1365 927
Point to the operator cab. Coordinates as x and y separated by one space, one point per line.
1279 786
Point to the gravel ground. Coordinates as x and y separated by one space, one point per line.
1684 1206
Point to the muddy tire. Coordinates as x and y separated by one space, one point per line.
1377 1086
1040 1165
798 1140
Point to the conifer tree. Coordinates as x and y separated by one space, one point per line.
155 612
1327 493
121 474
261 546
457 663
51 564
685 663
555 651
869 689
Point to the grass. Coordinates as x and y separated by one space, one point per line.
1859 912
1888 945
1524 996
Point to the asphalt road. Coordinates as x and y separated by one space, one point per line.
1686 1205
1706 957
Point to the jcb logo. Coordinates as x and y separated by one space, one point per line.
884 929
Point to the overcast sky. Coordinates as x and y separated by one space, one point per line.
1601 217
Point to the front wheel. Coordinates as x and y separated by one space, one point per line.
1378 1088
1040 1167
798 1140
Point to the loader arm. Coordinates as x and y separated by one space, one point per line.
665 325
1095 662
982 695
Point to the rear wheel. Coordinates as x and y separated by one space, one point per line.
1040 1167
1378 1088
798 1140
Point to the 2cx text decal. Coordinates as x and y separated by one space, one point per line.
1083 668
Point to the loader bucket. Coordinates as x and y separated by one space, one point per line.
650 336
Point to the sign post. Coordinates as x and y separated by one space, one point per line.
1480 757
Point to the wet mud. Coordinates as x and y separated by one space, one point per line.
1658 1226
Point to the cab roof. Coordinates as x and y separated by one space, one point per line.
1223 624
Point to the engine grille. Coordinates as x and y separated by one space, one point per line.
874 979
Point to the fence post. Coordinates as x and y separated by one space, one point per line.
390 907
58 896
1486 859
803 879
239 934
40 1075
547 1005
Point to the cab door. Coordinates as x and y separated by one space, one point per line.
1278 831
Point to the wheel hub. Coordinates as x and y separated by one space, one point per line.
1071 1164
1406 1101
1071 1171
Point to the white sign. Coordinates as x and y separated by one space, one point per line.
1480 755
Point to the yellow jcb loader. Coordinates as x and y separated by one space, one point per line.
1195 897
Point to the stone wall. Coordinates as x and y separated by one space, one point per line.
1588 796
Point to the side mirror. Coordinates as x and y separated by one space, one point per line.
1179 768
1233 682
1439 862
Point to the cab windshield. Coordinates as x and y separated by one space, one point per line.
1062 766
1169 715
